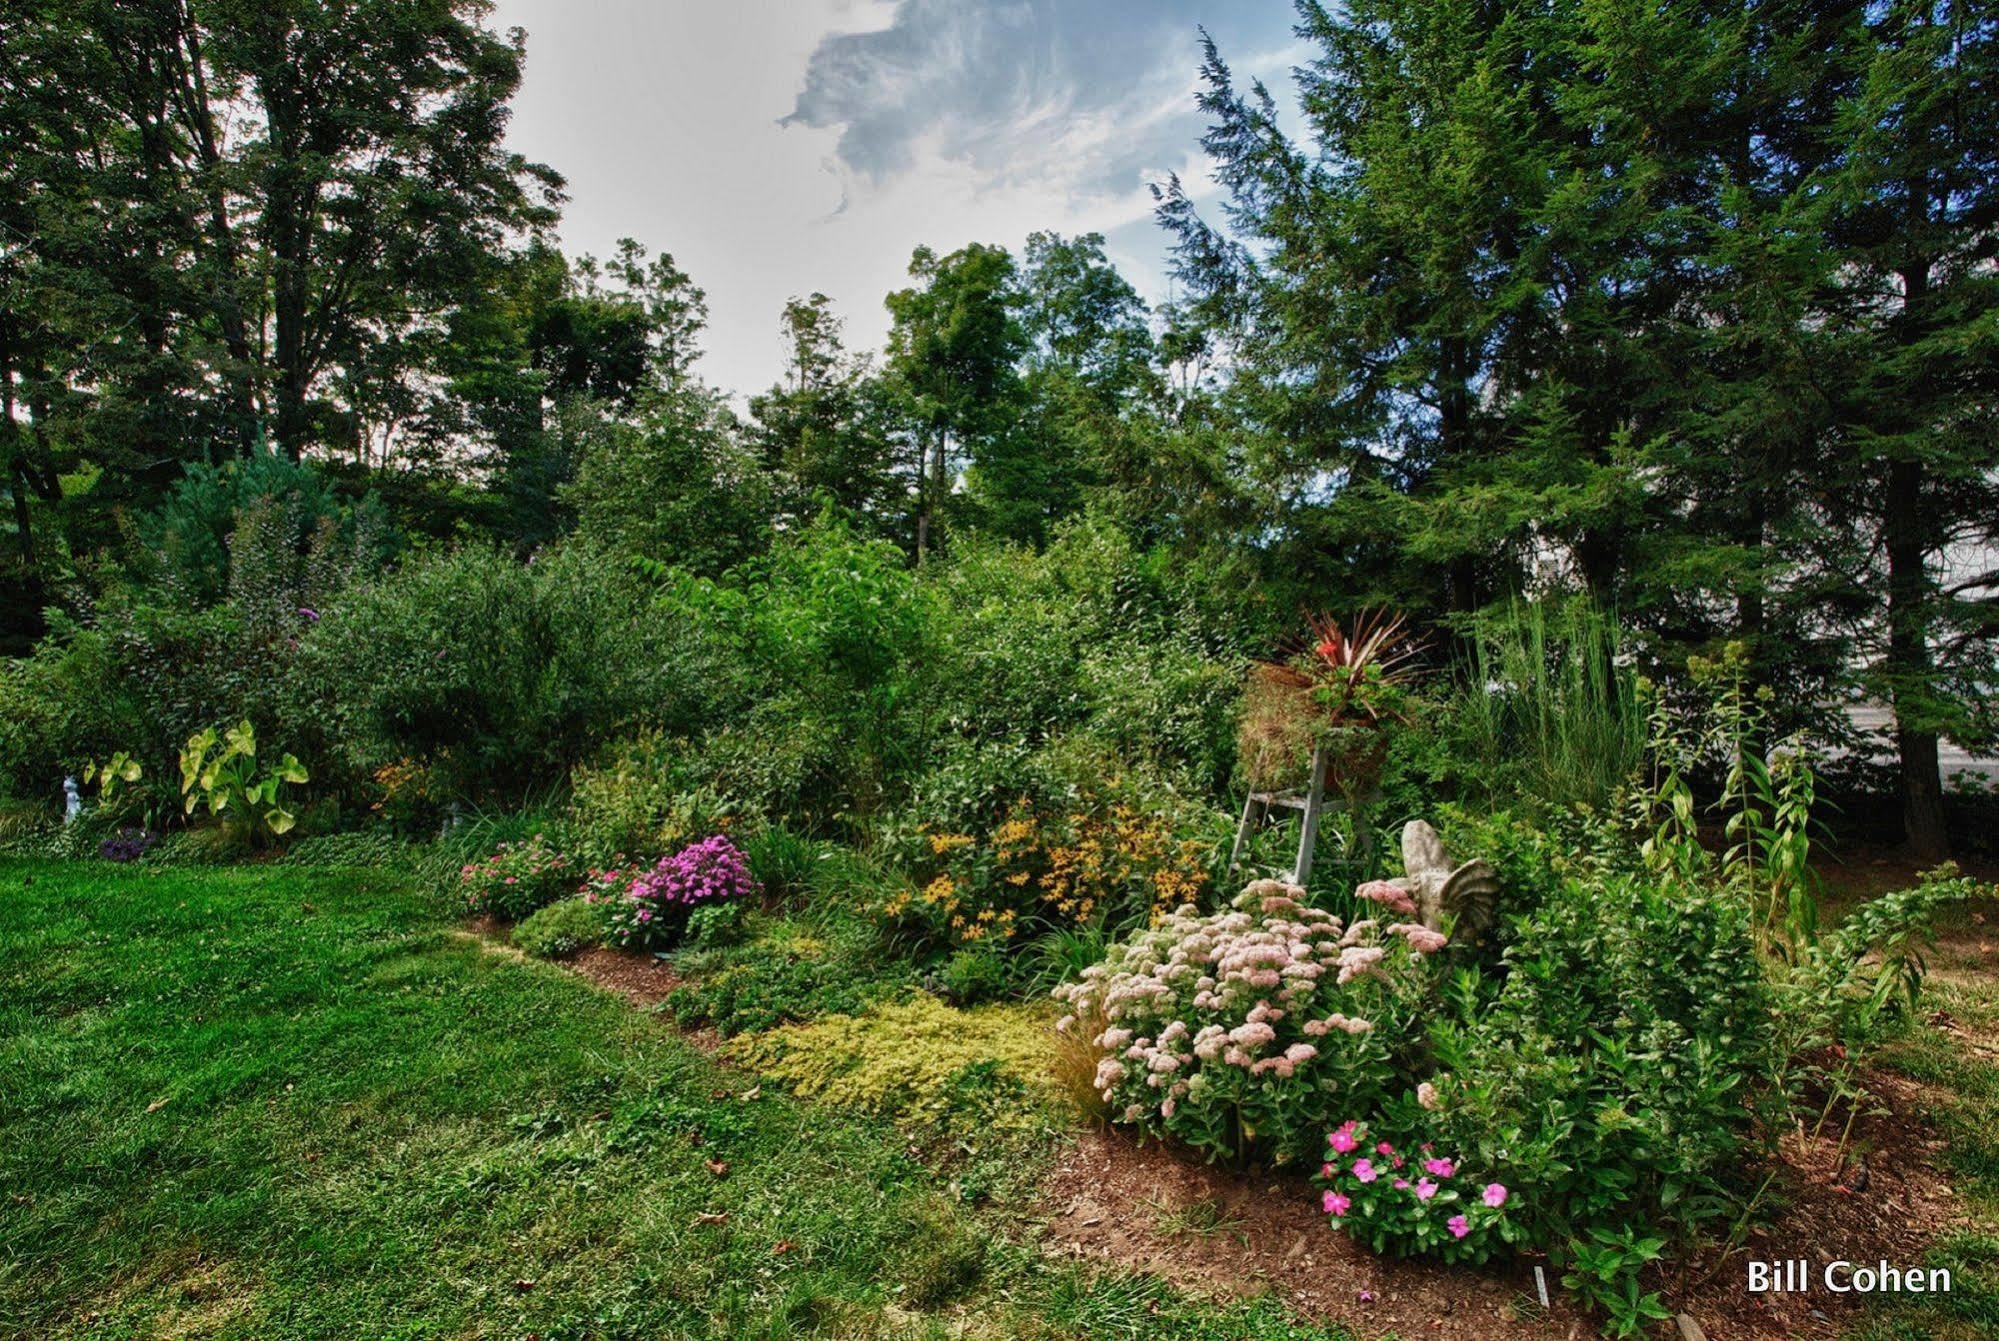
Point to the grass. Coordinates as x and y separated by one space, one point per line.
1547 711
278 1103
1962 1088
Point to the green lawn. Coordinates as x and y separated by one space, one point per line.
279 1103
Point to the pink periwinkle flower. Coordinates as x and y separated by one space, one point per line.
1443 1168
1425 1189
1336 1204
1495 1195
1343 1140
1364 1170
1459 1226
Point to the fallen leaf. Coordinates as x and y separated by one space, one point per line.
157 1104
711 1218
754 1092
523 1285
718 1167
783 1246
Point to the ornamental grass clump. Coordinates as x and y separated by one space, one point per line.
652 908
1243 1032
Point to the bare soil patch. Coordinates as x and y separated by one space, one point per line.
1147 1207
1150 1208
1879 1198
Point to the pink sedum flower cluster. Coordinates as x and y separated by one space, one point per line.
1234 1030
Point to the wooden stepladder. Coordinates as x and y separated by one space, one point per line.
1311 803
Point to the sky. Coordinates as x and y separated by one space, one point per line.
782 147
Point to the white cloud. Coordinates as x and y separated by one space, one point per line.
777 147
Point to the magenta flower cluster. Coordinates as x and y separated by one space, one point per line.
517 879
652 908
1408 1201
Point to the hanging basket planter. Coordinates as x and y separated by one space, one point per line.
1341 696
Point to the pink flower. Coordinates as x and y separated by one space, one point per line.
1421 939
1495 1195
1443 1168
1459 1226
1425 1189
1343 1139
1364 1170
1326 1171
1384 1148
1337 1205
1388 894
1401 1183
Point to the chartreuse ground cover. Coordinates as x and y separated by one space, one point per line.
269 1102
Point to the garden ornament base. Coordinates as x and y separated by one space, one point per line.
1468 893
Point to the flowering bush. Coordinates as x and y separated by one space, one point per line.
1242 1032
653 905
517 879
1098 859
1410 1201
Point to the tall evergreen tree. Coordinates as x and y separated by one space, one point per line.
1914 200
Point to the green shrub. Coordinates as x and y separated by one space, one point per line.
360 848
561 929
264 531
1614 1075
830 642
634 804
972 977
499 675
518 878
783 971
714 926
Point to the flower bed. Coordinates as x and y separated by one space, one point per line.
650 908
1242 1032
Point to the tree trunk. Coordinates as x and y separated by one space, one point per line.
1909 662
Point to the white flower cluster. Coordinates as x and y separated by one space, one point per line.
1245 988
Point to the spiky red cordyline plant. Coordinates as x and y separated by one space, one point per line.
1377 651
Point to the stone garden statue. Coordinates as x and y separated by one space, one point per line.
1469 892
72 801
